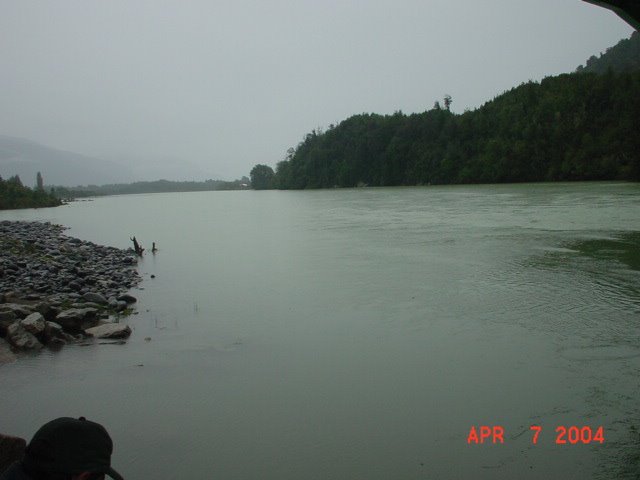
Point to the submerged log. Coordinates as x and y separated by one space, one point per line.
136 246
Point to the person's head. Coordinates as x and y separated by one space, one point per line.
70 449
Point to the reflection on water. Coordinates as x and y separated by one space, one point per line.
623 248
359 333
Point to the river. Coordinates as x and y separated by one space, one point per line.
359 334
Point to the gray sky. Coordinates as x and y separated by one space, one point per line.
214 87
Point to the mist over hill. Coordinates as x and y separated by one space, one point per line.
26 158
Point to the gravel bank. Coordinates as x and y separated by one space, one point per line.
56 289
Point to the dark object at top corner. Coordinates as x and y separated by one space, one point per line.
628 10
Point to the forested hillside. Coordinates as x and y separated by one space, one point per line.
578 126
623 57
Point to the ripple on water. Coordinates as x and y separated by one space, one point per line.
596 276
600 352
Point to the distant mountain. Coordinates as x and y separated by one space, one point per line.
25 158
622 57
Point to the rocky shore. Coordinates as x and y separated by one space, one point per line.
56 289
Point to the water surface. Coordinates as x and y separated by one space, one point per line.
358 334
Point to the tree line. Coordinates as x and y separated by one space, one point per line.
13 194
156 186
578 126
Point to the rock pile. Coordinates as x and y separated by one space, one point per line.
56 289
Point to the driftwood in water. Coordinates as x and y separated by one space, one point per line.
137 247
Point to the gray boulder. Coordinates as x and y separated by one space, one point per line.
94 297
20 311
33 323
54 334
74 318
53 330
127 298
21 339
109 330
89 323
46 310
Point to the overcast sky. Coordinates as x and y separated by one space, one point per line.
214 87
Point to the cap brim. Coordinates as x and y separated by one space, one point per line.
113 474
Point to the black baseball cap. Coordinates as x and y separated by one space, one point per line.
71 446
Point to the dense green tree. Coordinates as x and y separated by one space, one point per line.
262 177
447 101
